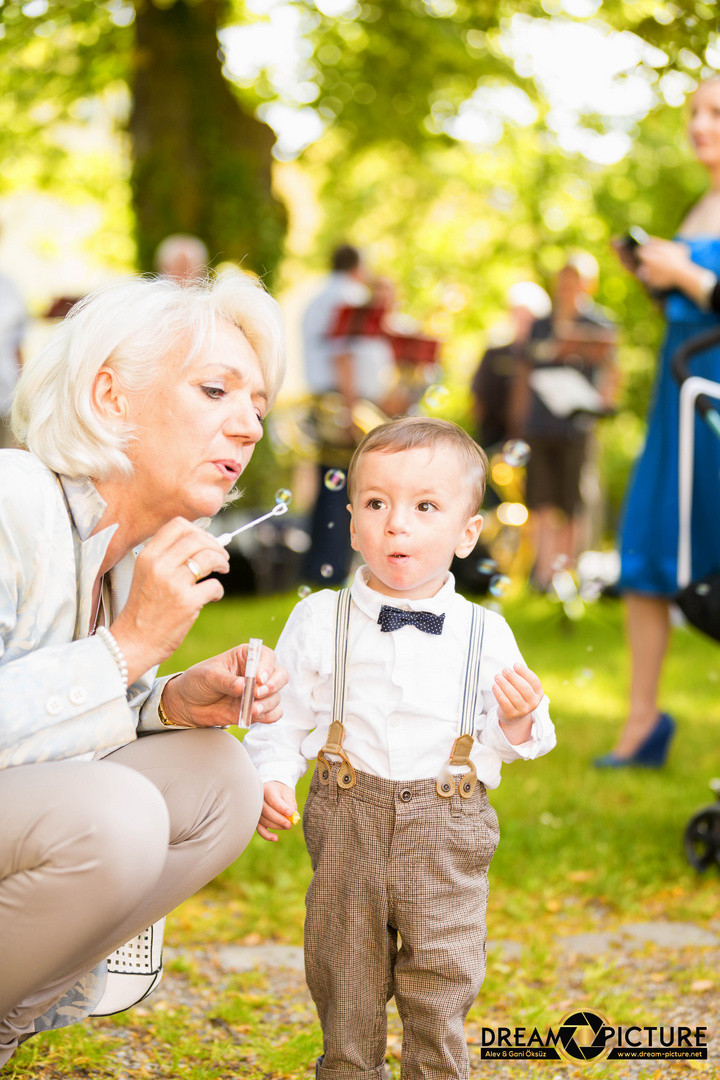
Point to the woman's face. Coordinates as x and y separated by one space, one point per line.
196 427
704 123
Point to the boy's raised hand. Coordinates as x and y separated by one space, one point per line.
279 805
517 691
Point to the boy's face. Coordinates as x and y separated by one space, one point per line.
409 516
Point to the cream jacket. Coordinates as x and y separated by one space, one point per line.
61 694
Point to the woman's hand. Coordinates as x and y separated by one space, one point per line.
664 264
166 596
279 805
208 694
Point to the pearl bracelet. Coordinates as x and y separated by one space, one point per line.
115 652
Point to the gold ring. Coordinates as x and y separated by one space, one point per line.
194 568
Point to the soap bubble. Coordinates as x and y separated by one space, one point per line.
331 524
702 589
334 479
304 591
487 567
574 609
436 397
564 585
516 452
499 585
283 495
590 591
326 570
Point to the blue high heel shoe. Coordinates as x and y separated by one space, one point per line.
651 753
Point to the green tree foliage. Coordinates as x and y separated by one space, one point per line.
393 77
201 163
453 222
456 223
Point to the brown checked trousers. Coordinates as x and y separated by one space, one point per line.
396 906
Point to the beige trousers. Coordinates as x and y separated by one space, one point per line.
396 907
92 852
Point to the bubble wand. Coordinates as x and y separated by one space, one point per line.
277 510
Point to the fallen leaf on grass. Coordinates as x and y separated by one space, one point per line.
571 1003
580 875
252 939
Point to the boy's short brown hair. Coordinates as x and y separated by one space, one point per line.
416 431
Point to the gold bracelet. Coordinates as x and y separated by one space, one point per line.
162 715
164 718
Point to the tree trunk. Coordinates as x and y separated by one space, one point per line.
200 164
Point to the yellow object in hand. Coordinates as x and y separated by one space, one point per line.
294 818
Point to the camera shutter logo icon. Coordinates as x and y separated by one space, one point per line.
581 1037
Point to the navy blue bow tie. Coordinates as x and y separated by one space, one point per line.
392 618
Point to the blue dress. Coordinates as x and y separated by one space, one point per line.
649 525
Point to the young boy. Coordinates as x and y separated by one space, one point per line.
394 678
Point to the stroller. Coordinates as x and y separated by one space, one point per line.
699 600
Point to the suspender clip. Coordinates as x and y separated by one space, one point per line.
333 745
447 781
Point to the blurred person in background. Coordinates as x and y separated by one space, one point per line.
329 370
684 273
13 320
183 258
577 335
370 365
493 384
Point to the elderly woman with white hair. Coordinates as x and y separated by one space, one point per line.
138 418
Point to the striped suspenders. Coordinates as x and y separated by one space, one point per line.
447 781
336 731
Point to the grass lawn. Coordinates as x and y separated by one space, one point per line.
580 849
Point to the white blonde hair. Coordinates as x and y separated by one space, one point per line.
132 326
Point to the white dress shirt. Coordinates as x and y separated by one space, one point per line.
340 290
403 691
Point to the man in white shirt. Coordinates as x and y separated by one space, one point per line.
400 832
344 287
329 369
12 329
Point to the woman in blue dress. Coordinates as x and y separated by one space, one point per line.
687 269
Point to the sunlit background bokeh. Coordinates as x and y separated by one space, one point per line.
464 146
